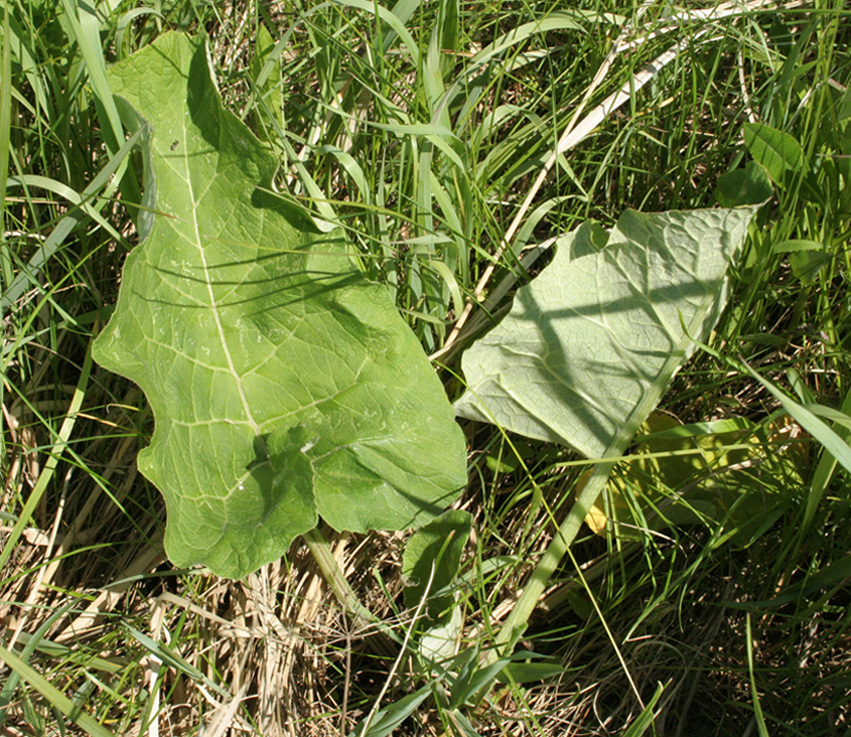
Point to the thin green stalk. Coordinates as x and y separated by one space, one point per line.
85 30
824 471
5 141
516 622
339 584
85 27
32 643
46 475
5 118
102 181
757 708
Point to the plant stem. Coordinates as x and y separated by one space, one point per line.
516 622
339 584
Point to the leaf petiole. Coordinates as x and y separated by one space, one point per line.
518 619
339 585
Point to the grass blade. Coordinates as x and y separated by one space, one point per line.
832 442
5 117
757 708
61 443
54 696
823 474
65 227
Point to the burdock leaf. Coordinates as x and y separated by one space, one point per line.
284 385
590 346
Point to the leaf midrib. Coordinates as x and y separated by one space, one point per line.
214 304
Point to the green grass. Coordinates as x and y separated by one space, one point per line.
424 138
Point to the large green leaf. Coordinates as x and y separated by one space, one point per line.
283 384
591 344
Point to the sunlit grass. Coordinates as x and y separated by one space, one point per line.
423 145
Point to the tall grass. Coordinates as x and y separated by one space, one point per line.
450 141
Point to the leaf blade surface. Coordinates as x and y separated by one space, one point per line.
592 343
283 384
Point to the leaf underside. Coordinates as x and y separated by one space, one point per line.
590 346
283 384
